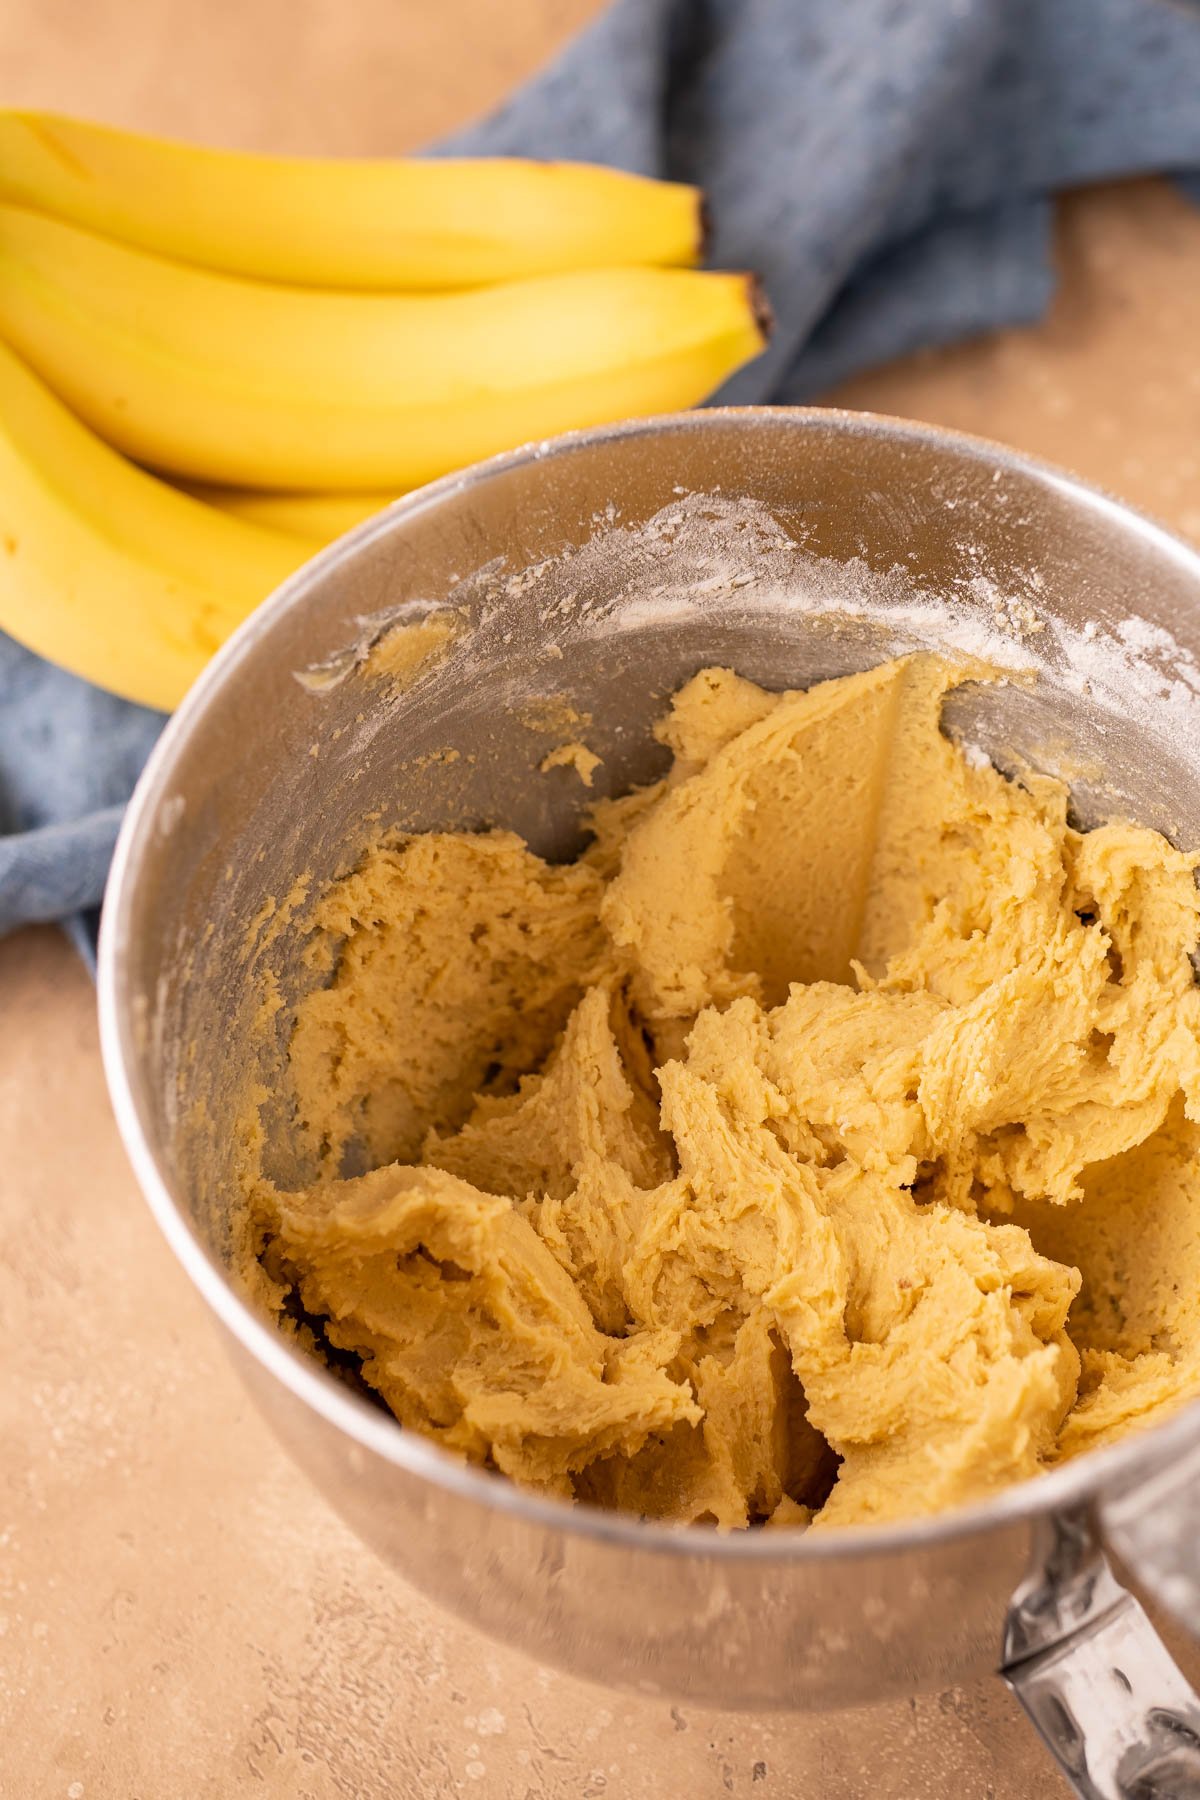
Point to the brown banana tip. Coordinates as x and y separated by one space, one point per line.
760 307
703 225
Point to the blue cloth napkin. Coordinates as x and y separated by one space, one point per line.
887 165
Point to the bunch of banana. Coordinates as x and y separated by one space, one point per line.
293 342
399 223
107 570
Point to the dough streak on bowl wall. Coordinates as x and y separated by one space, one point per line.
820 1147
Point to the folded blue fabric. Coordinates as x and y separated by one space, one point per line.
887 166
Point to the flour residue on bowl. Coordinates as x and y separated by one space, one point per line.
729 564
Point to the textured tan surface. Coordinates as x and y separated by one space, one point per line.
299 75
181 1618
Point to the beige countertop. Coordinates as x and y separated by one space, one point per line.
180 1614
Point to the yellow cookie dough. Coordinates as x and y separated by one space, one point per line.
822 1147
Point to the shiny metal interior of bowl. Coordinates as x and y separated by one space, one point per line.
600 574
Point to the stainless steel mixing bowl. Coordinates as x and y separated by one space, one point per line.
602 569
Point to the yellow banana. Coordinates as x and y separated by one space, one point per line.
325 222
314 518
108 571
251 385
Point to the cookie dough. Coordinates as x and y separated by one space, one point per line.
821 1147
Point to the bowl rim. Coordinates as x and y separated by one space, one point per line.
1069 1485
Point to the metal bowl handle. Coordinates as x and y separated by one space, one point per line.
1086 1663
